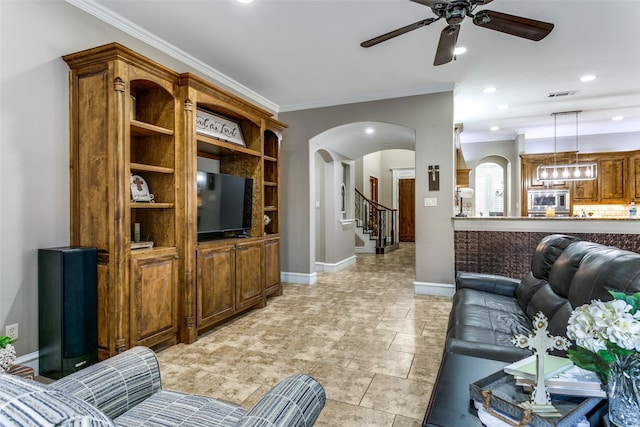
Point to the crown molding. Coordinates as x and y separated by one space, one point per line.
447 87
117 21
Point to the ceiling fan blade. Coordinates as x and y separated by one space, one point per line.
514 25
446 45
400 31
432 3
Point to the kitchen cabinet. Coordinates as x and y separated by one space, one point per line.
611 179
618 180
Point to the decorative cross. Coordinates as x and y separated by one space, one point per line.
539 341
138 182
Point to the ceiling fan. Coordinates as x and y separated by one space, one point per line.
454 12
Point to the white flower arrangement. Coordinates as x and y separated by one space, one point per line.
7 353
604 330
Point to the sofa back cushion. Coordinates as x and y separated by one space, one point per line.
547 252
567 264
542 262
27 403
605 269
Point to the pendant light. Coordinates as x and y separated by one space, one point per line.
571 171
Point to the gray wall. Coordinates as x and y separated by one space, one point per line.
431 116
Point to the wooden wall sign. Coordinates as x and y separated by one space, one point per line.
219 127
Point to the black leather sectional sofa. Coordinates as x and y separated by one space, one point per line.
565 273
488 310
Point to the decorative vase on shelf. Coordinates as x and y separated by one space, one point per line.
7 357
623 391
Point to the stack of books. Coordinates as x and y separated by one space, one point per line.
561 377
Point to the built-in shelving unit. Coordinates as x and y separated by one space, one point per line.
132 116
124 117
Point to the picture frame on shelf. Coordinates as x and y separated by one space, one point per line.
140 190
219 127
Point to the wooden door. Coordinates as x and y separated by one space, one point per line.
249 282
215 284
407 209
373 195
154 299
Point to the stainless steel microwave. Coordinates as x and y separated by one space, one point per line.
541 200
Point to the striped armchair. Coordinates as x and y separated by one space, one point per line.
125 390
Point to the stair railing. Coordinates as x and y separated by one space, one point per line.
377 220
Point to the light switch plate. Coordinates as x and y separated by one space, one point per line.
431 201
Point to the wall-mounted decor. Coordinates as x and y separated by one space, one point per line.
219 127
434 177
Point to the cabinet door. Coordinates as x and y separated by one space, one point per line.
585 191
611 173
215 283
249 279
272 283
154 298
635 195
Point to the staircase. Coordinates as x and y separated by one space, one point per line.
376 226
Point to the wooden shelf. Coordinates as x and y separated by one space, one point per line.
144 205
270 159
270 209
219 147
139 128
150 168
270 184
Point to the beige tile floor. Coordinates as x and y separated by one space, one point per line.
361 332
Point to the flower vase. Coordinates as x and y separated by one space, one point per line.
7 356
623 391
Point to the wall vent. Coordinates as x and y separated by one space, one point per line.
560 94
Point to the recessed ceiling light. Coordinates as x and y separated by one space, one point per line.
494 128
587 78
245 1
489 89
369 130
616 118
459 50
503 106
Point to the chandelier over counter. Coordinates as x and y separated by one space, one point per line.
569 171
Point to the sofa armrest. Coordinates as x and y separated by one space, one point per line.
492 283
117 384
294 402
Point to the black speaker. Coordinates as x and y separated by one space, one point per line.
67 310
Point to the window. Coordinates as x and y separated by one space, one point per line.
489 190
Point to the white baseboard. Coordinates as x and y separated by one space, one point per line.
437 289
302 278
30 360
334 268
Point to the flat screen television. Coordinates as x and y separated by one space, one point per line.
224 205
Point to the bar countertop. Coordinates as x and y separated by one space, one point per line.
549 224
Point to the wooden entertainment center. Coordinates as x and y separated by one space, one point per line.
132 116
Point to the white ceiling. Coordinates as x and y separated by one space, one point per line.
297 54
